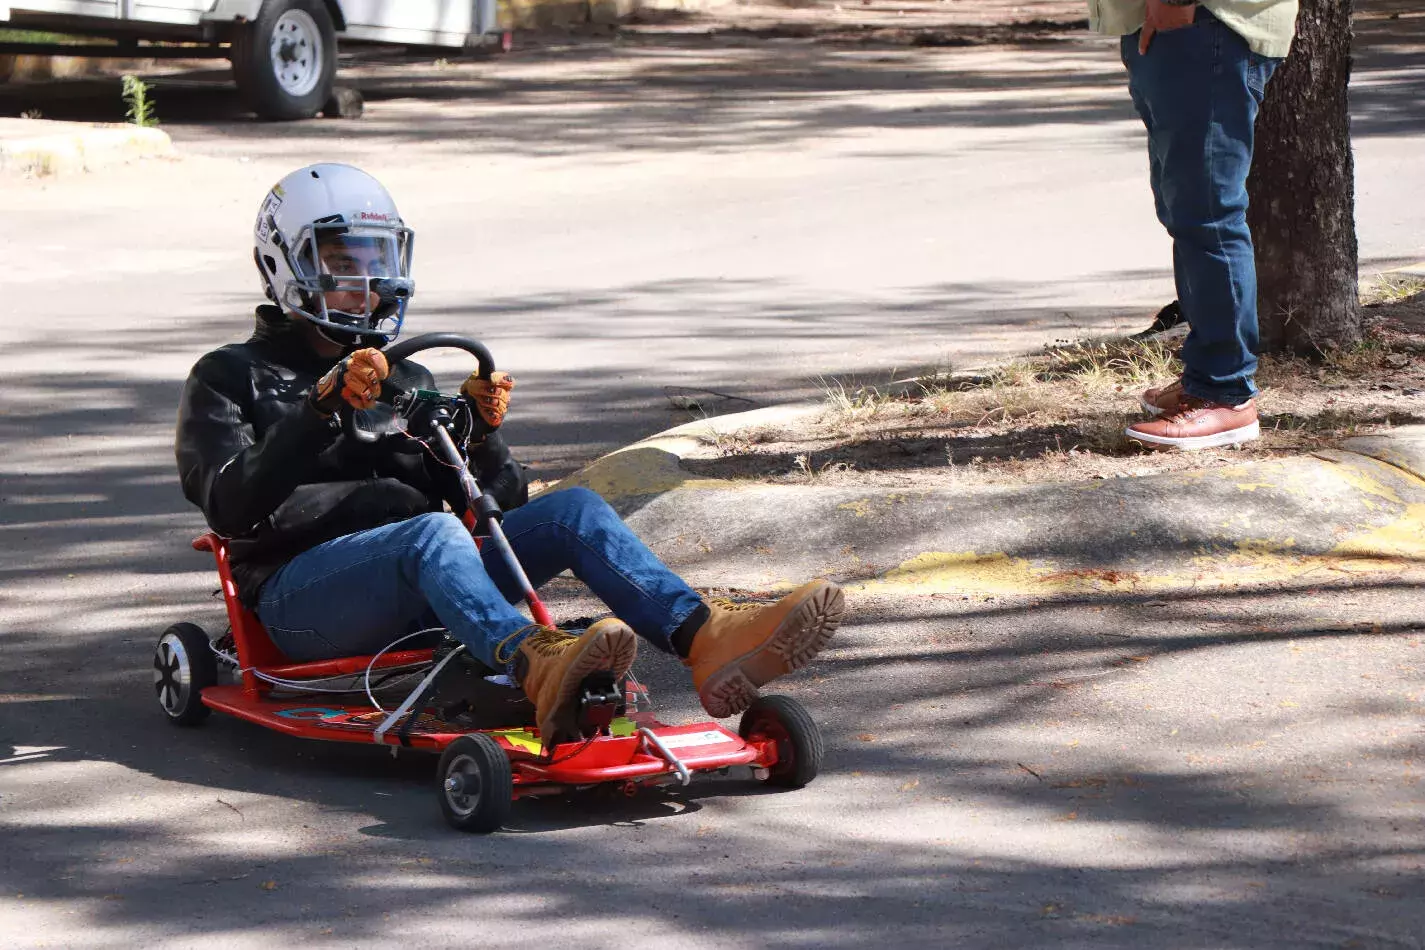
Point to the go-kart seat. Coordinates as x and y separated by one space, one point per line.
255 648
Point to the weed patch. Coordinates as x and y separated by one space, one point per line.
1059 414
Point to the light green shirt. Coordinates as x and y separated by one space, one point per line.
1266 25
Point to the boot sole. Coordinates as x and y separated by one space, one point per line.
802 634
1230 437
614 651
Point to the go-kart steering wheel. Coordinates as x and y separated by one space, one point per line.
409 347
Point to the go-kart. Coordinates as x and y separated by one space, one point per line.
479 722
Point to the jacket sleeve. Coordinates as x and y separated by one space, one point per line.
498 472
490 462
237 478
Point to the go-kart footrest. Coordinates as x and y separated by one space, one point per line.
600 703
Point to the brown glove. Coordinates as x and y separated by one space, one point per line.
356 380
491 397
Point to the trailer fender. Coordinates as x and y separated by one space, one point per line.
226 11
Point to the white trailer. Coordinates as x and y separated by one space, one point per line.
283 52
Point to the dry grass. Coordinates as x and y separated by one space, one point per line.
1060 413
1390 288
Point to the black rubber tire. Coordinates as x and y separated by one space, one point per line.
798 738
183 666
477 757
254 71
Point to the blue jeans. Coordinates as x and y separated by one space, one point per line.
1197 90
355 594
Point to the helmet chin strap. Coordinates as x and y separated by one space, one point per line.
353 341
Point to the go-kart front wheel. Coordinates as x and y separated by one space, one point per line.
476 786
184 666
798 738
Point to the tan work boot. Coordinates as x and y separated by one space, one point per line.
555 663
743 646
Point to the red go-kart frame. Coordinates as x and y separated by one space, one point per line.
777 739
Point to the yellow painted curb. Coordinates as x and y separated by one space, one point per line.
81 149
1394 547
651 466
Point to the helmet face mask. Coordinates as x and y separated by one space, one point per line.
353 280
333 251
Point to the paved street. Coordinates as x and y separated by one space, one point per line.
744 217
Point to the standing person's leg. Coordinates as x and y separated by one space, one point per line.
1198 90
731 650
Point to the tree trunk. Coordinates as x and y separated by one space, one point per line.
1302 189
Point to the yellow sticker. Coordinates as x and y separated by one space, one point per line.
519 738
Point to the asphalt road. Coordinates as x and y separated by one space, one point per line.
613 220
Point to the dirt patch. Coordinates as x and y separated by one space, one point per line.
1060 414
934 23
910 23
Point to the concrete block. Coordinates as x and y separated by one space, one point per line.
59 148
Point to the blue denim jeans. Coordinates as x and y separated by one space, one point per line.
1197 90
355 594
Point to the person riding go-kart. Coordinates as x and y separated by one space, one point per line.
341 544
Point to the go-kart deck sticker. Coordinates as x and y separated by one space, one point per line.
708 737
519 738
311 712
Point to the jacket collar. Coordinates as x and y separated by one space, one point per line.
283 337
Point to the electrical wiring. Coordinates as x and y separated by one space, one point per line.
392 675
386 649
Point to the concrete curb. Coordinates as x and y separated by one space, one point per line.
77 147
1303 519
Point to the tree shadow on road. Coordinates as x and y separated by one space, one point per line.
1014 800
675 93
949 781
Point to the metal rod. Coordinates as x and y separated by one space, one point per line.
497 534
379 735
114 51
679 768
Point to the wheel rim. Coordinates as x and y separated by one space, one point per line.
296 52
172 675
768 727
463 785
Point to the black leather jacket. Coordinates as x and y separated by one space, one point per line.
276 477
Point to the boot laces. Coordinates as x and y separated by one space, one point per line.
734 606
546 641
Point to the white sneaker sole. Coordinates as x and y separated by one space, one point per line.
1152 410
1230 437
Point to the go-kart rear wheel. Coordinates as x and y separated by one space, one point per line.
184 666
476 787
787 723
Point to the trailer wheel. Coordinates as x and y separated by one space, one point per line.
284 60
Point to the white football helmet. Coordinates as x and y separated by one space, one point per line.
333 228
